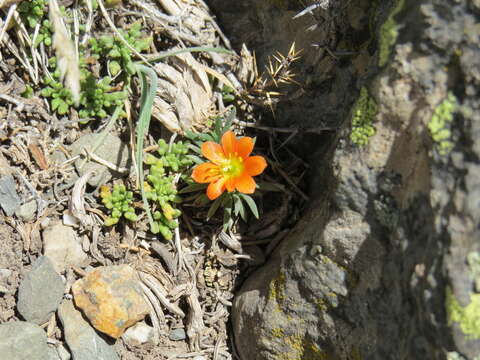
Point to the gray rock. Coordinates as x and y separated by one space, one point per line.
9 199
26 212
58 353
52 354
111 149
23 341
177 334
61 245
40 292
382 251
82 340
63 353
138 334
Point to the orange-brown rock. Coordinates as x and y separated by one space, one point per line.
111 298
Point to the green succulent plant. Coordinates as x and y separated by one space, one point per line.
117 52
32 12
119 203
97 98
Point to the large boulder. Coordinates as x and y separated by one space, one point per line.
385 263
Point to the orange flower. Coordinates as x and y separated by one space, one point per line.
231 167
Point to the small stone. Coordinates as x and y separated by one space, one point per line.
52 354
26 212
40 292
5 273
111 298
9 199
138 334
82 340
111 149
63 353
63 248
21 340
177 334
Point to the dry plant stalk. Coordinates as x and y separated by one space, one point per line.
66 54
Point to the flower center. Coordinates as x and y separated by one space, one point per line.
233 166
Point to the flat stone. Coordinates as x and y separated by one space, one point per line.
21 340
177 334
61 245
138 334
63 353
111 149
40 292
82 340
9 199
111 298
26 212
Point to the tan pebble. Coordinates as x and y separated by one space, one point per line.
111 298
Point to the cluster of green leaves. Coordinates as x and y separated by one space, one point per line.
32 12
160 187
117 53
97 97
44 34
60 97
119 203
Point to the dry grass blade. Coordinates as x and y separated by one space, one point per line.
76 205
160 293
66 54
195 325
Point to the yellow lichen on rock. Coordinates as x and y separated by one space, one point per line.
111 298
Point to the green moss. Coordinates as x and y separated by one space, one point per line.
389 34
439 124
364 113
468 317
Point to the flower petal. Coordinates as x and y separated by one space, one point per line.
230 184
245 184
229 143
213 152
244 146
205 173
254 165
216 188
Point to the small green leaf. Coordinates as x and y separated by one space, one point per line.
239 209
196 159
251 204
269 186
214 207
192 188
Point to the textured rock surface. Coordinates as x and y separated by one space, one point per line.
111 149
139 333
385 263
62 246
40 292
111 298
82 340
23 341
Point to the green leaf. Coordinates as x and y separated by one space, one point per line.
196 159
62 108
214 207
239 209
192 188
251 204
269 186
